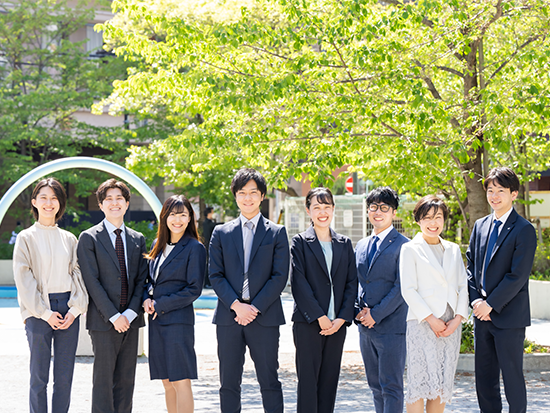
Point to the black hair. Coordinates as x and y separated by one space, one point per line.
176 204
243 176
383 195
207 210
424 206
324 196
504 176
112 183
59 192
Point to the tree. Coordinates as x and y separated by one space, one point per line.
45 77
424 96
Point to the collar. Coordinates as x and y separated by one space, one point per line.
253 220
383 234
111 228
503 218
419 239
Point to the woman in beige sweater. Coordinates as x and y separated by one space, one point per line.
51 296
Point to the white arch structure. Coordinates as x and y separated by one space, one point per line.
78 162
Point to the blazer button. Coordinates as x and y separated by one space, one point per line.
368 282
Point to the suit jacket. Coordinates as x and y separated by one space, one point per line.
379 284
101 273
507 278
179 282
310 282
267 270
426 285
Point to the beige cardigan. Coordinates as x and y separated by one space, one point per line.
44 262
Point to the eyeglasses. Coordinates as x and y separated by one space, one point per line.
382 207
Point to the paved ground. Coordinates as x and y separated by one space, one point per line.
353 392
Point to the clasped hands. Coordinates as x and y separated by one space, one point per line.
365 317
442 328
482 310
329 327
58 322
246 313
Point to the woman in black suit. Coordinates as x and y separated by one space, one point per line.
177 262
324 285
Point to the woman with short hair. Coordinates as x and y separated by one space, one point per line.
51 296
434 285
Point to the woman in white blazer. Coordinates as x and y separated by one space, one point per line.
434 285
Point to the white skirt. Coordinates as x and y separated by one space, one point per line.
431 361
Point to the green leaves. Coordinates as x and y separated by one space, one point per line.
301 88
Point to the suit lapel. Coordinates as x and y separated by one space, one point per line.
259 235
178 248
484 236
429 254
237 235
337 250
105 240
385 244
506 229
315 246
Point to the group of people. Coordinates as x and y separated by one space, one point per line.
408 298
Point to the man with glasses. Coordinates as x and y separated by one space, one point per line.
381 311
249 263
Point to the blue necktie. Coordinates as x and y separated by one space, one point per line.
489 251
372 250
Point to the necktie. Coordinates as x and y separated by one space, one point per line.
248 237
490 247
119 248
372 249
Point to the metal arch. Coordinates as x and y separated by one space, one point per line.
79 162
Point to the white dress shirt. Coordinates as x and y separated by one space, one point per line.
128 313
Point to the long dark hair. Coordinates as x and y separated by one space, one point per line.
176 203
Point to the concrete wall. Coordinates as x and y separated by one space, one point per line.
539 297
6 272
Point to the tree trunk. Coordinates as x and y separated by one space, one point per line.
520 206
472 171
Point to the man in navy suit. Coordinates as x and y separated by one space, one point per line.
500 256
249 264
382 310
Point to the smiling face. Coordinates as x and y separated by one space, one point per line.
500 198
114 206
47 205
381 220
432 225
320 214
177 224
249 199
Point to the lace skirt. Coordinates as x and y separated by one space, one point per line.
431 361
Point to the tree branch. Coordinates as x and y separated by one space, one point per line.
235 72
451 70
503 65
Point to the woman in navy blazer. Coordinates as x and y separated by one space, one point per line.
177 265
324 286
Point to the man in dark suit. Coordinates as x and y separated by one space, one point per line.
249 264
382 310
208 226
500 256
114 271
